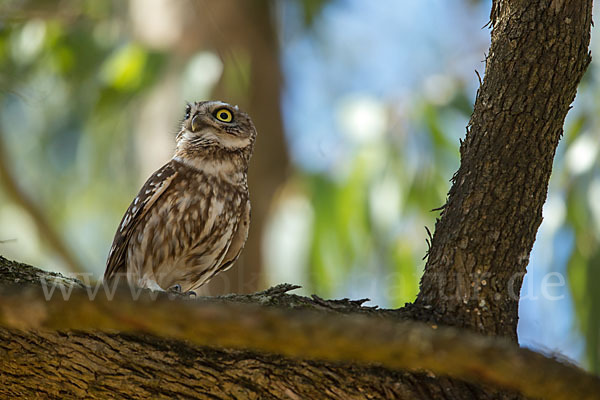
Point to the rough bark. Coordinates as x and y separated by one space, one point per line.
54 349
327 349
482 242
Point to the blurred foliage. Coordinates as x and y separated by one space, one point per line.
68 85
71 82
365 217
311 9
577 177
418 154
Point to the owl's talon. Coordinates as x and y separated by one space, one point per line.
191 294
175 288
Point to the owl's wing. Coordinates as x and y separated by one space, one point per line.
235 244
238 241
154 187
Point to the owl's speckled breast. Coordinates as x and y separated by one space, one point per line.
185 238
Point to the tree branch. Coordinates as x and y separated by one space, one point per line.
299 331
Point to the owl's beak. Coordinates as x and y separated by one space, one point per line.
197 123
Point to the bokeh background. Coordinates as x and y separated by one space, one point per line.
359 106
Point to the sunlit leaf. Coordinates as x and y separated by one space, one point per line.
124 69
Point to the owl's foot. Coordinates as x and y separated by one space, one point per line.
175 291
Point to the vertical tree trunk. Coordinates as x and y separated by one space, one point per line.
482 242
250 27
472 278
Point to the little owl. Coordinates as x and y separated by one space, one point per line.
190 219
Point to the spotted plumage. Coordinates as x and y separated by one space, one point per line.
190 220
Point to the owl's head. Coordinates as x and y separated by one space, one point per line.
213 125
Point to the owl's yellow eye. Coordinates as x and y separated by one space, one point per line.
223 114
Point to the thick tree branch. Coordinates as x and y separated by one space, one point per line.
312 348
302 333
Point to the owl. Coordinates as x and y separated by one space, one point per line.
190 220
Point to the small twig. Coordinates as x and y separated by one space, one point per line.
439 208
280 289
479 77
494 15
429 240
341 304
429 233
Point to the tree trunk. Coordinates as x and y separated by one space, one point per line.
482 242
242 347
247 29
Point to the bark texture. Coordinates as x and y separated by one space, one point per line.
267 345
481 245
312 348
95 365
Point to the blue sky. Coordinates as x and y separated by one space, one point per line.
385 49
